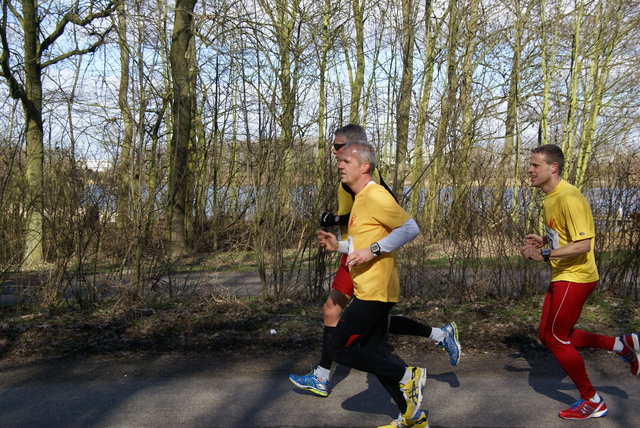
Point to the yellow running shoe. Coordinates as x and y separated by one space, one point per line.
412 391
419 421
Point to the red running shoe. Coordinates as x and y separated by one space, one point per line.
584 409
631 351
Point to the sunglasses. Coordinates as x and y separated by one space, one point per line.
337 147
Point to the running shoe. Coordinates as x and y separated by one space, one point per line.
631 351
419 421
451 344
311 382
412 391
584 409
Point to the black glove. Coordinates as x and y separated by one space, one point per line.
328 219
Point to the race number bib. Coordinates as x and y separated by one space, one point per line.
553 238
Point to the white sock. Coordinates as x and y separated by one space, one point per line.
596 399
618 346
322 373
437 334
407 376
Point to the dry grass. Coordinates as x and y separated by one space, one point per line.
241 326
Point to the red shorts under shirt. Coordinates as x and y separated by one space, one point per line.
342 281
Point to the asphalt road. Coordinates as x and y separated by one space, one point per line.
485 390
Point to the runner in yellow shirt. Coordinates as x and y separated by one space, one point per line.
377 227
341 291
569 235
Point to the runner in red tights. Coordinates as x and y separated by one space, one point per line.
570 239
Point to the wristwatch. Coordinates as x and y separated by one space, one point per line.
375 249
546 253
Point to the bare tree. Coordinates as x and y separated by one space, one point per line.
547 66
463 152
24 79
182 109
447 106
508 165
426 82
356 77
570 125
610 30
404 98
126 163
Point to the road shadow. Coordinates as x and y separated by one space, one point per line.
375 399
546 377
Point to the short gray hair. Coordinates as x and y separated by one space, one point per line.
364 152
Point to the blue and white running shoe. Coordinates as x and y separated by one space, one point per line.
451 344
311 382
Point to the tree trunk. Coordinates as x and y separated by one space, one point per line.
545 67
125 168
570 124
461 181
508 166
32 106
404 98
447 106
357 84
325 46
611 27
181 111
418 168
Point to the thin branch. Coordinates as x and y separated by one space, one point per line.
77 20
16 90
75 52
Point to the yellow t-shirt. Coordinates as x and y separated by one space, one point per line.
374 215
345 202
568 218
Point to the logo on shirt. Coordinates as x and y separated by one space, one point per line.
352 220
552 222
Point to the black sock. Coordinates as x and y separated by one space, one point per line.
325 357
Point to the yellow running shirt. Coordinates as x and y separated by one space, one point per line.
345 202
374 214
568 218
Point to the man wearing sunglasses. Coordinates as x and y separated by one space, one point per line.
341 291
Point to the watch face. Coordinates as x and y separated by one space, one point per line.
375 248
